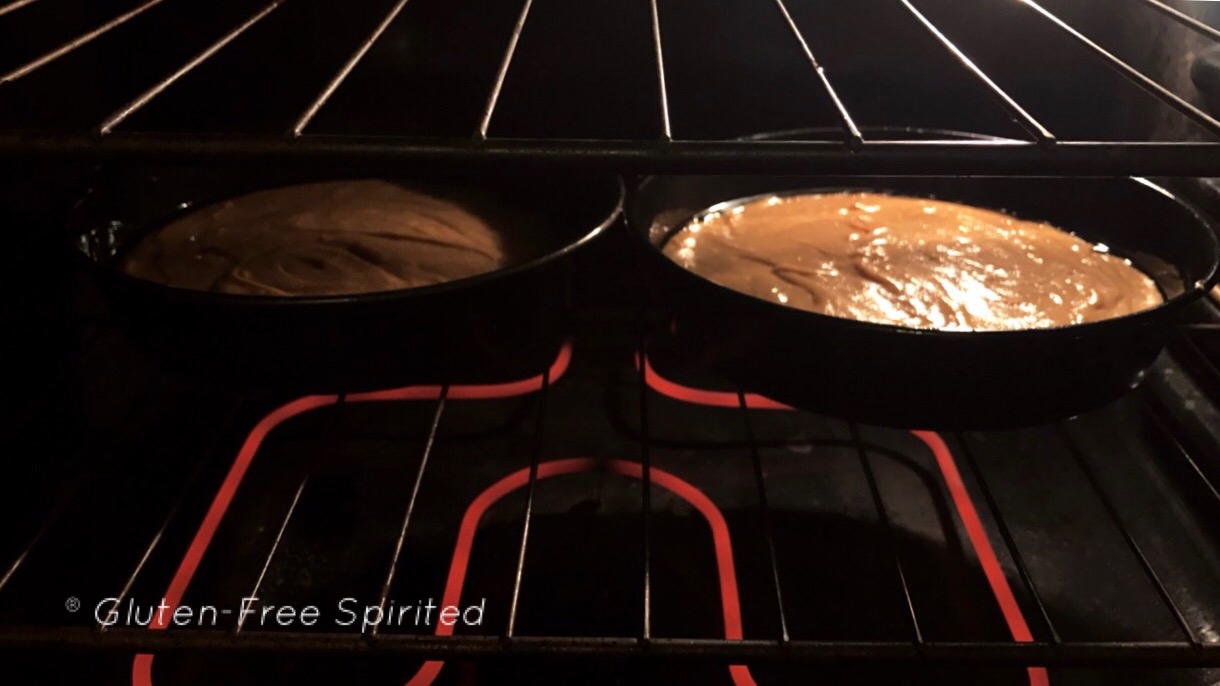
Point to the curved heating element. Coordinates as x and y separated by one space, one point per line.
1013 617
141 668
730 604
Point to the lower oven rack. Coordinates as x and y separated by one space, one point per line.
1187 463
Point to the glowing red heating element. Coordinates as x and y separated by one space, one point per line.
992 570
722 544
141 670
730 605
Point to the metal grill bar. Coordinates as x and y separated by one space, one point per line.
279 535
1077 654
1025 119
511 626
326 432
144 98
77 42
1009 542
485 122
104 462
187 488
768 528
884 518
1168 97
383 597
1208 363
666 132
646 487
851 133
1117 519
1013 158
1192 467
1184 19
346 69
14 6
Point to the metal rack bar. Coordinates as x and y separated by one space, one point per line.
1199 354
1192 466
1184 19
14 6
1189 474
884 518
346 69
539 424
718 651
327 429
1117 519
851 133
1025 119
187 488
66 496
279 535
1016 158
1009 542
77 42
383 596
1131 73
646 487
768 528
144 98
502 72
666 132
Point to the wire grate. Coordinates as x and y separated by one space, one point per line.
1045 647
858 150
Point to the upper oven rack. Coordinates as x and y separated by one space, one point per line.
856 151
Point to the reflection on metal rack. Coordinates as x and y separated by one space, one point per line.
13 6
1131 73
75 43
855 154
346 69
146 97
1025 119
851 132
883 517
1183 19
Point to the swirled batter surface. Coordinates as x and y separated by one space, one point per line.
910 262
332 238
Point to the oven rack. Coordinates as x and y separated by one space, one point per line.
854 150
1186 462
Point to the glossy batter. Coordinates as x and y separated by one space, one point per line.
331 238
910 262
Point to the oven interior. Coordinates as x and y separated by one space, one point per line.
622 515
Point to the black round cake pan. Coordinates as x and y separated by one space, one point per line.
922 378
498 326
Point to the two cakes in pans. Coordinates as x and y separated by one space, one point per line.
1006 321
878 258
